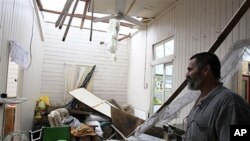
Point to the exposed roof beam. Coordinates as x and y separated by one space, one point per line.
84 13
39 4
86 17
130 7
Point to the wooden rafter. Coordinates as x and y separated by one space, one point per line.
84 13
70 20
130 7
86 17
39 4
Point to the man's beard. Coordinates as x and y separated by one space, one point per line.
194 84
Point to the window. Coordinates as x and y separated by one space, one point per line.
162 73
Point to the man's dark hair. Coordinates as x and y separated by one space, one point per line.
206 58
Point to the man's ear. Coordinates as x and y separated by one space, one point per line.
207 70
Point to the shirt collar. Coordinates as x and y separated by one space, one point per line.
210 95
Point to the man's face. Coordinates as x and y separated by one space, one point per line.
193 75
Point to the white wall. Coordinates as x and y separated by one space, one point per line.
16 19
110 78
46 71
138 96
194 24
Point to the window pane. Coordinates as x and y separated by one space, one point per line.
168 81
169 47
159 69
162 74
158 87
169 70
159 51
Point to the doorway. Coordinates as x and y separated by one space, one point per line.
246 76
246 87
11 91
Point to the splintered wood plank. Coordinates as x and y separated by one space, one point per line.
127 123
124 122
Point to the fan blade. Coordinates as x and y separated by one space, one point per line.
133 20
103 18
120 6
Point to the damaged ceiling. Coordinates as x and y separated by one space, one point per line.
143 10
138 8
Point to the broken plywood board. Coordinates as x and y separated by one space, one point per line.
92 101
127 123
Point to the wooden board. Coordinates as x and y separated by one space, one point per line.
9 119
92 101
127 123
124 122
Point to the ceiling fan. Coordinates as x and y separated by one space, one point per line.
119 14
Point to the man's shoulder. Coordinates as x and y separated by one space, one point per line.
225 92
228 96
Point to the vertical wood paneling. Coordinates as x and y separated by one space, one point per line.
207 23
229 15
223 21
191 28
16 20
182 35
203 25
248 21
212 26
242 25
236 30
195 25
110 78
178 43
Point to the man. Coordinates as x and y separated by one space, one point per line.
217 107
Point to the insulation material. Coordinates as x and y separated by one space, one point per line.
232 60
168 113
19 55
144 137
112 37
230 64
56 116
92 101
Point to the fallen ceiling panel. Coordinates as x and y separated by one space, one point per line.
92 101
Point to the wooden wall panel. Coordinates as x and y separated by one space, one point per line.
195 25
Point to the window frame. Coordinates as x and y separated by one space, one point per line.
165 61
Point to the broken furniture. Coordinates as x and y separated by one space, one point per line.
122 121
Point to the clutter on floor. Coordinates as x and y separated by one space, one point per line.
88 116
93 118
